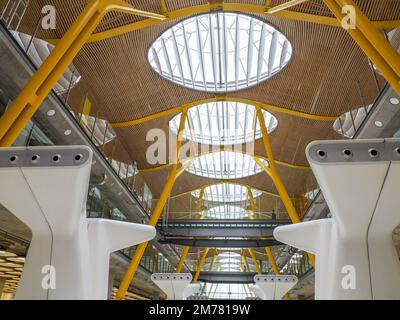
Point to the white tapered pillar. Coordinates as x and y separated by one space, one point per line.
355 254
46 188
177 286
273 287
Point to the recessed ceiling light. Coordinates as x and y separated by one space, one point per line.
51 113
379 124
220 52
67 132
395 101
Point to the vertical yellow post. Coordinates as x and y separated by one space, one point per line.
126 281
200 266
185 252
255 262
31 97
214 259
273 172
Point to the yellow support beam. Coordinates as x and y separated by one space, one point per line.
244 260
285 6
158 210
254 103
371 41
255 262
235 7
272 261
201 264
282 163
272 171
31 97
185 252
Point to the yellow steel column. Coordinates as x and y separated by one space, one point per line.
273 172
31 97
126 281
200 266
183 258
214 259
253 257
378 50
271 259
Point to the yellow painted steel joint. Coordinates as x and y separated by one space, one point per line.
158 210
31 97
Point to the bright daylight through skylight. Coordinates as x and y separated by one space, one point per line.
220 52
226 193
225 165
223 123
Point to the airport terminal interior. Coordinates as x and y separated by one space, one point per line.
199 150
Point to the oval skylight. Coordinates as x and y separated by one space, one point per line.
225 165
220 52
223 123
226 212
226 193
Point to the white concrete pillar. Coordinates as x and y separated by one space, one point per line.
355 254
69 254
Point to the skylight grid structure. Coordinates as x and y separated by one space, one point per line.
226 212
220 52
225 165
226 193
223 123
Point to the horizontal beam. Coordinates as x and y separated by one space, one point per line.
259 104
221 243
220 228
227 277
234 7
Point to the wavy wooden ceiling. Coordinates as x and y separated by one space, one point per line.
328 75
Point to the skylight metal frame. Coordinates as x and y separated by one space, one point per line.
222 123
225 165
228 193
204 57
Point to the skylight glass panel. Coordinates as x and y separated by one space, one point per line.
226 193
220 52
226 212
223 123
225 165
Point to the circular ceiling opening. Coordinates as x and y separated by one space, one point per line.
220 52
225 165
226 193
223 123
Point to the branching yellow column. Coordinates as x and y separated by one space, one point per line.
185 252
255 262
371 41
272 171
29 100
201 264
126 281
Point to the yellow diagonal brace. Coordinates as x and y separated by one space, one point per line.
260 104
31 97
234 6
382 57
255 262
272 171
285 5
200 266
185 252
244 259
126 281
